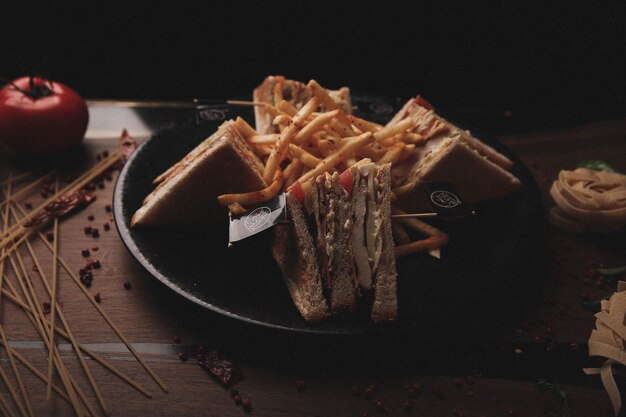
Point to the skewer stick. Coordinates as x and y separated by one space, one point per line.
245 103
104 315
412 215
53 296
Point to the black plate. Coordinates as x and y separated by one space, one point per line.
490 267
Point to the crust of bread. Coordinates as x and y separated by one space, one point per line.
264 93
453 163
410 108
294 251
188 193
385 304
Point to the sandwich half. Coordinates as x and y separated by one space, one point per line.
187 192
275 88
295 253
349 215
449 154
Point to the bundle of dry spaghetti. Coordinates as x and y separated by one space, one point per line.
589 200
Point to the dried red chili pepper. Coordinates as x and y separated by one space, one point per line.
128 145
61 206
224 370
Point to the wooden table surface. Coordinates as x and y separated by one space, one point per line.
496 377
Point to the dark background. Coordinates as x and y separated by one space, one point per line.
549 64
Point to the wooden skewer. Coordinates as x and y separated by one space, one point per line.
412 215
245 103
104 315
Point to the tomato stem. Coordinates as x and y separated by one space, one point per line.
36 90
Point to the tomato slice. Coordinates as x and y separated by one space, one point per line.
421 101
346 180
297 191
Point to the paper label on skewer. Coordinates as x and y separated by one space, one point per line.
257 219
445 200
211 112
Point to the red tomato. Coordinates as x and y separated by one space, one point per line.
421 101
39 116
297 191
345 180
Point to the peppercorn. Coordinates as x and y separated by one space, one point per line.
85 252
183 356
247 405
127 285
97 297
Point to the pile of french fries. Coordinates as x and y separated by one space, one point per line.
311 142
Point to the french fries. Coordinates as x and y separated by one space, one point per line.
338 156
254 197
320 137
430 243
